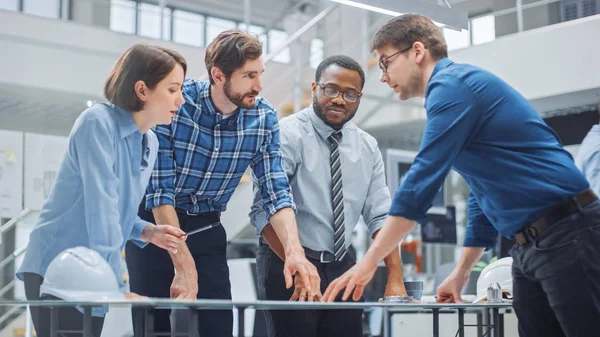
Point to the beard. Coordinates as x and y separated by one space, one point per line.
237 98
320 111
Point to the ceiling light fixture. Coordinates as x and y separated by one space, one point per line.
441 16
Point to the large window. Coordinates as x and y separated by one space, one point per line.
276 39
149 21
47 8
258 31
12 5
214 26
483 29
122 16
188 28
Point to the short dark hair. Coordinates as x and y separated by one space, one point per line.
404 30
230 50
341 61
140 62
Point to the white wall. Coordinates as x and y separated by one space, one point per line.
76 58
543 62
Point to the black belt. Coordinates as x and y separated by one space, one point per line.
204 214
322 256
575 204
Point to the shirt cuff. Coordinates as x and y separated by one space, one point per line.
283 201
402 206
136 232
158 198
481 236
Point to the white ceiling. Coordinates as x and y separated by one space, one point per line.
39 110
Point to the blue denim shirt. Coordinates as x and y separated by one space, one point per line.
489 133
98 188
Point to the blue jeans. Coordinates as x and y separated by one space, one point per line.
556 278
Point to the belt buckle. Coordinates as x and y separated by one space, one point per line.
322 257
190 214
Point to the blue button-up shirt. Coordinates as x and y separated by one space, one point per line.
490 134
588 158
98 188
202 155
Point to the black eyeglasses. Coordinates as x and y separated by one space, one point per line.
331 92
383 65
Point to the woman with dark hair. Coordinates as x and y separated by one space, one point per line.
104 174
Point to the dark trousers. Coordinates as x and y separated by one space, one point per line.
151 273
68 318
556 278
304 323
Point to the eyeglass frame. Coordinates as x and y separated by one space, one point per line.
384 66
343 93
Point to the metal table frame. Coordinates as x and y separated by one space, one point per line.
193 307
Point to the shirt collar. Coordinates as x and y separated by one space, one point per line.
125 122
324 130
441 64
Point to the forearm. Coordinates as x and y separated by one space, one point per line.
166 215
390 235
393 263
284 224
269 234
468 257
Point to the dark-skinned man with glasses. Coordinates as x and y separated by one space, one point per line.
336 175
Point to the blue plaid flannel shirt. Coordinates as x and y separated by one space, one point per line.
202 156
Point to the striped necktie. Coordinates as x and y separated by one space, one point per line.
337 196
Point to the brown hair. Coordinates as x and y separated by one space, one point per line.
230 50
404 30
140 62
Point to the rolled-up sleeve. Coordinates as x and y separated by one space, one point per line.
161 189
268 169
480 232
93 146
378 198
452 118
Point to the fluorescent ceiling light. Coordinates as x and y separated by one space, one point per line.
368 7
441 16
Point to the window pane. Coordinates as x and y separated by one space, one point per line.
122 16
47 8
12 5
188 28
258 30
149 21
276 39
455 39
316 52
483 29
214 26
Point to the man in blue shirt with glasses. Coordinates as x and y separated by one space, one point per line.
523 185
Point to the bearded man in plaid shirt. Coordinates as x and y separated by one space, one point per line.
222 128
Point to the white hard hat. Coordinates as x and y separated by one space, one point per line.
494 274
81 274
